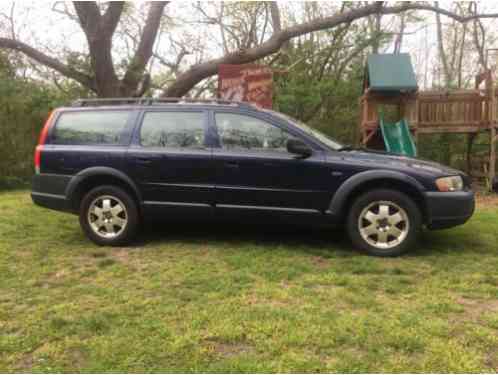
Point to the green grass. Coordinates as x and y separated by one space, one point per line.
195 298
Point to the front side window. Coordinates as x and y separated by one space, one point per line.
172 129
239 132
85 127
328 141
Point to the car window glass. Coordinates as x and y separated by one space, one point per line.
85 127
239 132
172 129
322 137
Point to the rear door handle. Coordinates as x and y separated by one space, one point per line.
144 161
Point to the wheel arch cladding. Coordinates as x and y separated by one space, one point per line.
90 178
375 179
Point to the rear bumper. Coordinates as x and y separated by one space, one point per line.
48 190
52 201
446 210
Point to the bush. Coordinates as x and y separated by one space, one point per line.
24 106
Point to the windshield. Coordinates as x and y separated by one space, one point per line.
325 139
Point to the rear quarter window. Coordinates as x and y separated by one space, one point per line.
99 127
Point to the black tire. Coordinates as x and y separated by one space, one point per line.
372 200
130 214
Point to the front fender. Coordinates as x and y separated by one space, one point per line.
354 182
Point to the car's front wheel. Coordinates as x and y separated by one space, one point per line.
109 216
384 222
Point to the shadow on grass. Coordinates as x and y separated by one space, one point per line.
314 239
323 241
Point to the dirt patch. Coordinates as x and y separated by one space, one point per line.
492 360
125 256
26 362
60 274
320 262
476 308
77 358
285 284
227 350
254 300
486 200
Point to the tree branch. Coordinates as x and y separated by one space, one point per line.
417 6
99 31
144 51
275 16
110 19
88 14
49 61
197 73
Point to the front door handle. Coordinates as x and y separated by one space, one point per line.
231 165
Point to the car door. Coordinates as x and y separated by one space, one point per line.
170 160
255 171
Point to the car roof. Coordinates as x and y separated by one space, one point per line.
134 103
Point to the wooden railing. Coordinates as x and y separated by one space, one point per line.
463 110
456 111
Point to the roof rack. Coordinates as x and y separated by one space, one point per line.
154 101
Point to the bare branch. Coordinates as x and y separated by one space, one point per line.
418 6
65 11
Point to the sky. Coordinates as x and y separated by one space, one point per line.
39 24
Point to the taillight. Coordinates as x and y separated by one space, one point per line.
41 142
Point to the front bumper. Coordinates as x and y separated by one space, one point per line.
446 210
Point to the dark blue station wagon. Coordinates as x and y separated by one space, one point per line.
117 162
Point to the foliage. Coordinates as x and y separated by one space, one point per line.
328 105
240 299
24 106
323 84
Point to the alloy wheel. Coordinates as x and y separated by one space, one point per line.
107 216
383 224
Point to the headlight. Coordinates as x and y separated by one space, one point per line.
453 183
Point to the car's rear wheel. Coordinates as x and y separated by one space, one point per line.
384 222
109 216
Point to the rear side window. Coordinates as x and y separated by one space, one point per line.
99 127
172 129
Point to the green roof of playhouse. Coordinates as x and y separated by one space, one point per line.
390 72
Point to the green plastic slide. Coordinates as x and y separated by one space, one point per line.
397 138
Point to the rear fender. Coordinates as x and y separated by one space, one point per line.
93 172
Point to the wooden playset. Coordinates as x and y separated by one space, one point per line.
390 81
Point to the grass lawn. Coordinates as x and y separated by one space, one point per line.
196 298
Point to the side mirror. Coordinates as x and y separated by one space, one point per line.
298 147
